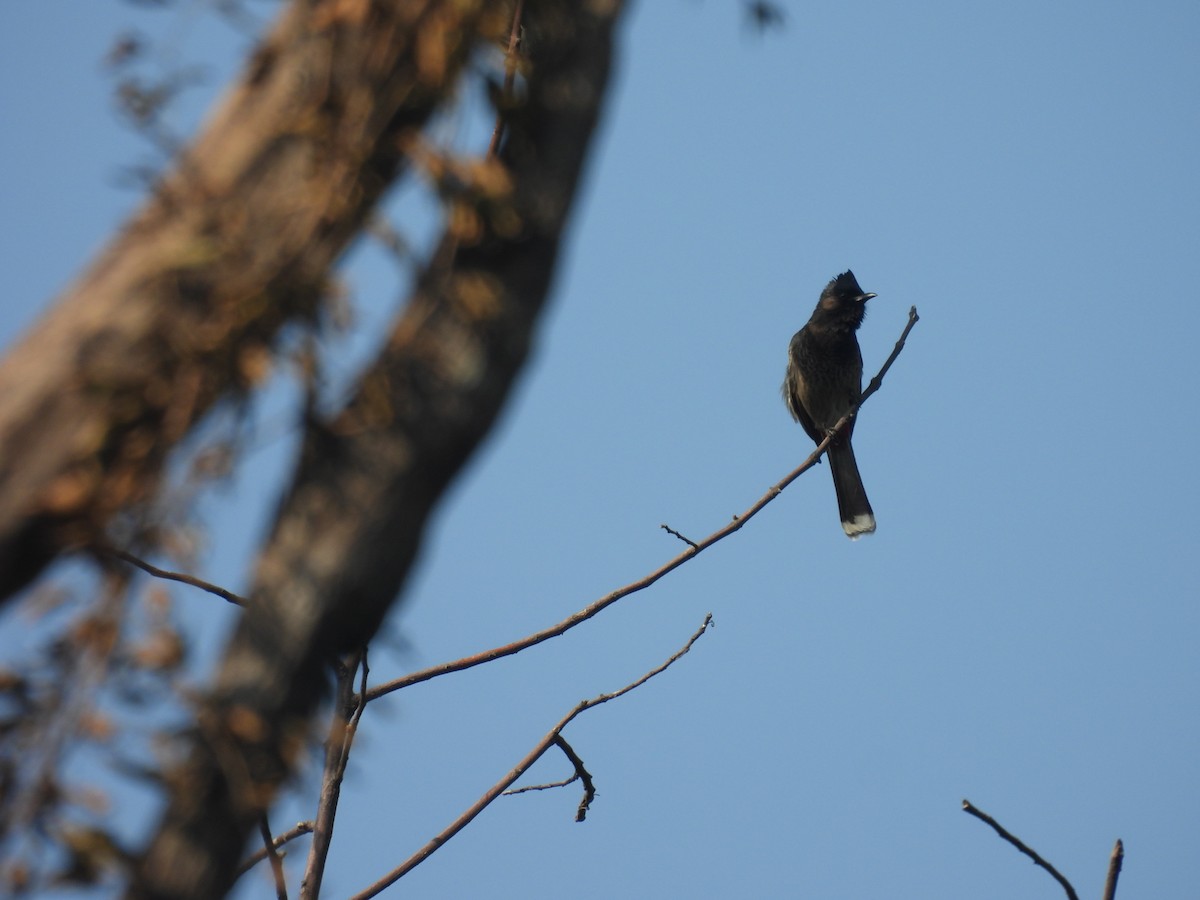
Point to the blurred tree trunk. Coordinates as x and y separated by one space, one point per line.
182 308
235 242
352 520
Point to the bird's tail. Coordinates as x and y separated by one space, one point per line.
857 516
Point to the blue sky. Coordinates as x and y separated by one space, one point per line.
1023 628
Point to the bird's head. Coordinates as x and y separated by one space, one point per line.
842 302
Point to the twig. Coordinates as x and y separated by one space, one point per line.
521 768
589 789
264 828
298 830
671 531
192 580
510 76
1114 870
343 726
581 774
1016 842
549 785
693 550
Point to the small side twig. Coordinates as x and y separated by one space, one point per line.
581 774
1016 842
520 769
589 788
671 531
298 830
548 786
272 852
1114 870
191 580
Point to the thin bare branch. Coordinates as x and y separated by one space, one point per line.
693 549
1114 870
1016 842
272 852
298 830
182 578
343 727
549 785
521 768
589 789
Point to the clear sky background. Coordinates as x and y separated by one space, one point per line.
1024 628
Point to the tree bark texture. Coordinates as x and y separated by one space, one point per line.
237 240
351 522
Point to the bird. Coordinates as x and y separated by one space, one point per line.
824 382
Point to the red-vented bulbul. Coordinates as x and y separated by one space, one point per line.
824 380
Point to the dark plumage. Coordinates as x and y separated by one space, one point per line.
824 380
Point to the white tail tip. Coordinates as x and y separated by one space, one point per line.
859 525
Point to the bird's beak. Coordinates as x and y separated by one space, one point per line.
865 297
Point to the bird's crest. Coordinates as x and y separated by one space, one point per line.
844 285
